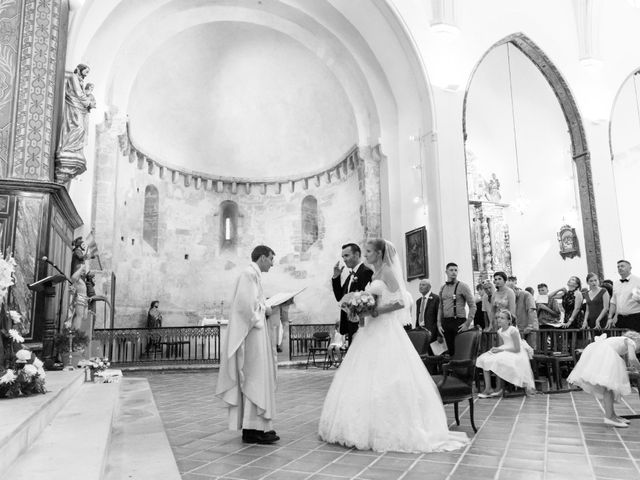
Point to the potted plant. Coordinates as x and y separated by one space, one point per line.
78 341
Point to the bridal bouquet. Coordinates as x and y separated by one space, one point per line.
356 304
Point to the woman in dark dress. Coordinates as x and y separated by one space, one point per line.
571 302
597 299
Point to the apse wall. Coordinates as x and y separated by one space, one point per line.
240 100
191 273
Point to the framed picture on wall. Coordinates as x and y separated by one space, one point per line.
416 248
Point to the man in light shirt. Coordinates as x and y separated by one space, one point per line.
624 309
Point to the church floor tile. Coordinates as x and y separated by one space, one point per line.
545 437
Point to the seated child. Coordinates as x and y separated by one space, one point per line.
509 361
337 343
602 371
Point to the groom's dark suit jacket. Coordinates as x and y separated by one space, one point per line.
361 279
430 314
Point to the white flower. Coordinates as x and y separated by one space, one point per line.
15 336
30 370
9 377
15 316
38 363
23 354
41 373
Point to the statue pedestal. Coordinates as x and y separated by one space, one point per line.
37 219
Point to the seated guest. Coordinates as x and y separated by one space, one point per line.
338 343
547 307
509 361
154 320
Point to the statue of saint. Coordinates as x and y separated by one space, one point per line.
493 189
70 160
78 300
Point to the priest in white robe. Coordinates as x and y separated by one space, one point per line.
247 377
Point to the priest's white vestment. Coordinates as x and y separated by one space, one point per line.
247 377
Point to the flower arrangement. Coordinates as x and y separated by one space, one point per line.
24 374
356 304
7 269
97 364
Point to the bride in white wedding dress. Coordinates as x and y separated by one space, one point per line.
382 397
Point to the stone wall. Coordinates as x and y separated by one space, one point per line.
189 273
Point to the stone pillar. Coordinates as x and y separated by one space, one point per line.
111 146
38 83
369 176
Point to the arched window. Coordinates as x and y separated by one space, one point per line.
228 225
151 215
309 210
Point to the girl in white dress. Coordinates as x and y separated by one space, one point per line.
602 371
382 397
509 361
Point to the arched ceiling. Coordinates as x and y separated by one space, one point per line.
124 41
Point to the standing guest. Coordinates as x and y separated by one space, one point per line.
358 278
487 298
452 318
571 302
608 284
504 298
531 291
509 361
624 309
526 317
597 299
478 319
247 376
427 309
602 371
547 307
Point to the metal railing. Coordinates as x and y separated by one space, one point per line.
301 337
139 346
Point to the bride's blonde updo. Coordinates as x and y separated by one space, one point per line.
378 244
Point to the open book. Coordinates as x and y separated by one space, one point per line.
281 297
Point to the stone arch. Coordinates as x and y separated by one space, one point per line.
579 149
228 226
309 223
151 216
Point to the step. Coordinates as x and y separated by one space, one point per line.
74 445
139 448
23 419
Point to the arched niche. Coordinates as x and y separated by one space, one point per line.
556 169
151 216
624 142
309 222
228 226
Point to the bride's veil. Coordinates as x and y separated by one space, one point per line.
392 260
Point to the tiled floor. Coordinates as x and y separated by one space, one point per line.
553 437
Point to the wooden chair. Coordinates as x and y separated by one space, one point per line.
420 339
456 383
319 345
556 349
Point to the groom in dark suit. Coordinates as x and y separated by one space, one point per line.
358 278
427 309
